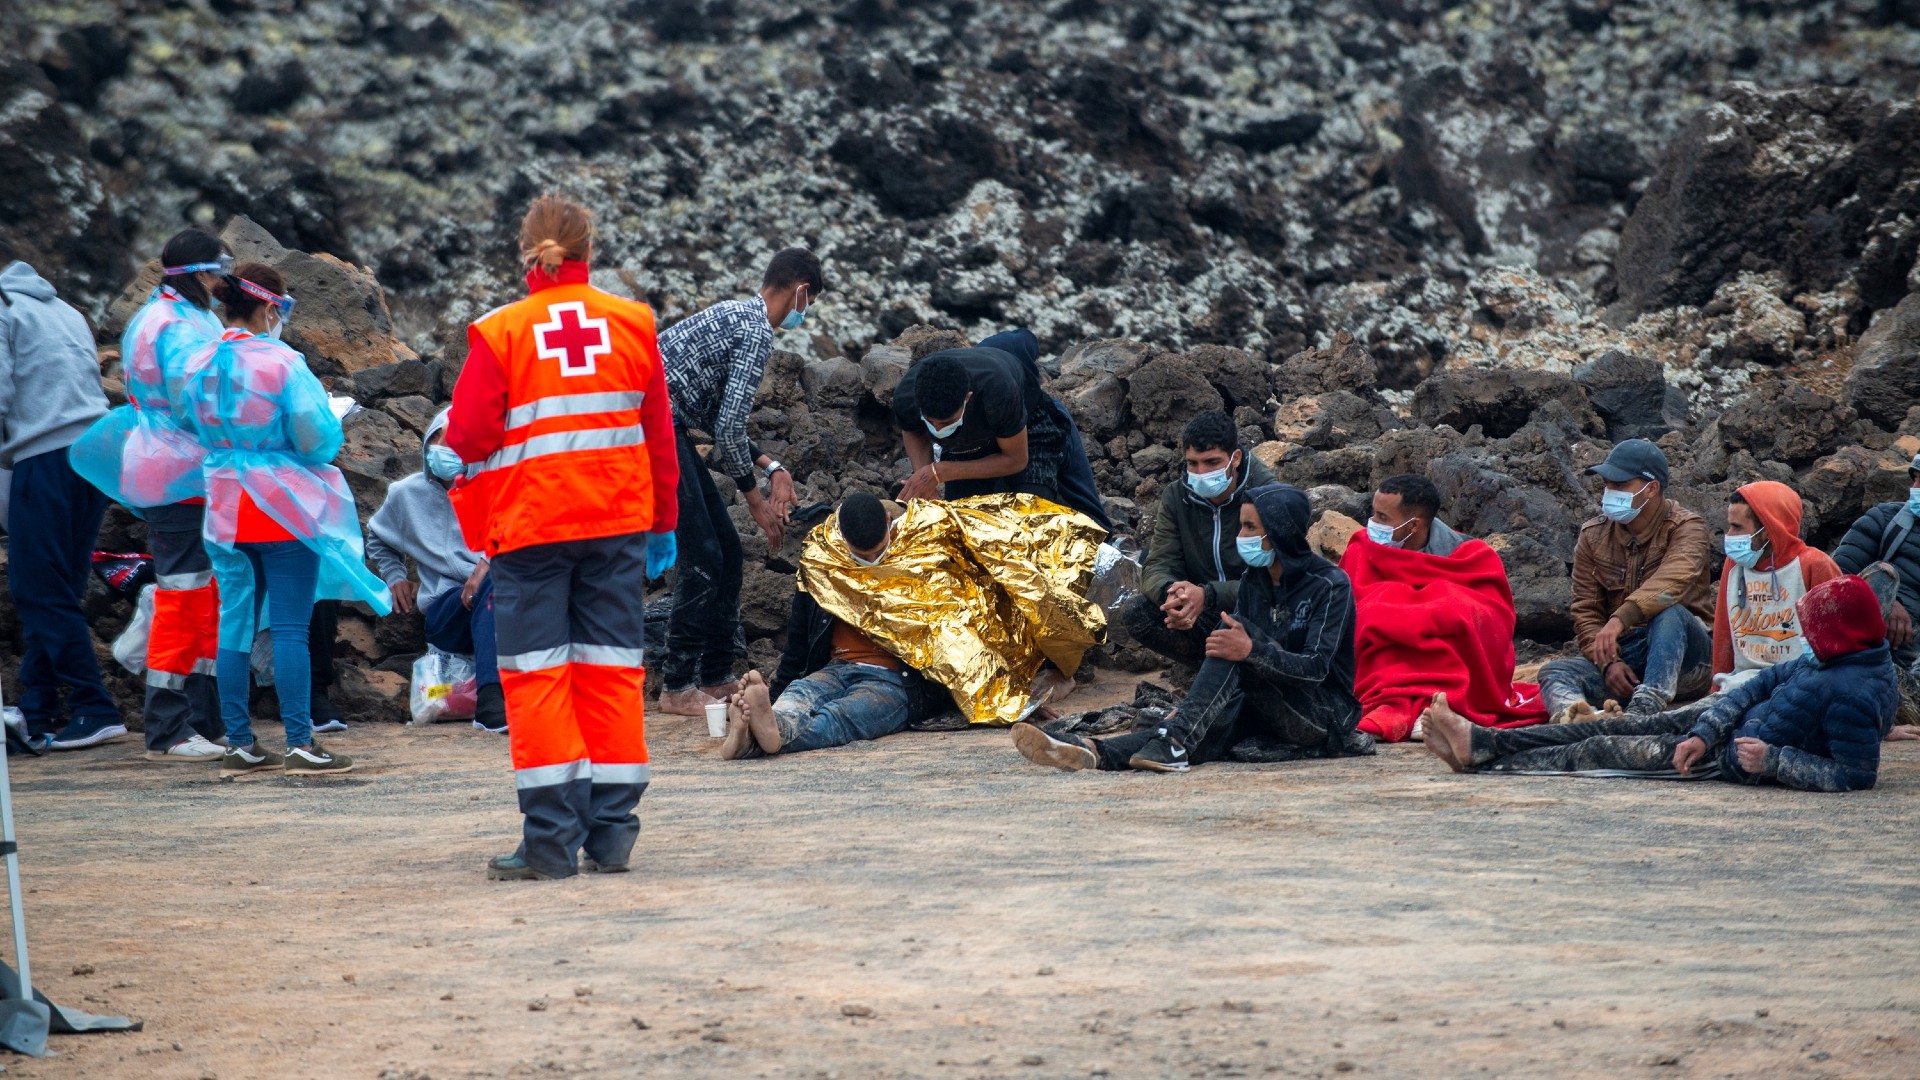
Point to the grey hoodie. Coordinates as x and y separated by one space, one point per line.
417 522
49 373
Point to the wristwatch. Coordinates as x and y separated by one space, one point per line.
774 467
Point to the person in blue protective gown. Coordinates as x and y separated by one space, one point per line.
280 527
142 455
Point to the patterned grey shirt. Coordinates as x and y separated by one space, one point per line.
715 361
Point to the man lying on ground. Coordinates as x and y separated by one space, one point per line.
1812 723
1640 590
1768 570
1277 683
1883 547
1433 614
835 685
1193 567
977 422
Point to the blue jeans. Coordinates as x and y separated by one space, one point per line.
453 627
1672 655
839 704
55 525
285 571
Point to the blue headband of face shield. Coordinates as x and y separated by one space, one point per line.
223 266
266 295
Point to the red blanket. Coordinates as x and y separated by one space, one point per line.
1427 624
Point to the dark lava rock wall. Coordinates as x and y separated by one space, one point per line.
1260 175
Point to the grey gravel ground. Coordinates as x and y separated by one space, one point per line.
931 905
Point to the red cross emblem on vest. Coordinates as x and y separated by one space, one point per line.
572 338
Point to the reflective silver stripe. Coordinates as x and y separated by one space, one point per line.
609 655
551 775
185 582
537 660
165 680
205 666
564 442
574 405
621 774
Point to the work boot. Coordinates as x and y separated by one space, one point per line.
1164 754
1060 750
490 710
512 868
239 760
591 867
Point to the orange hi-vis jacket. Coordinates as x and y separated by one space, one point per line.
562 413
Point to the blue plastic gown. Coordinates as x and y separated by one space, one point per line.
140 454
270 434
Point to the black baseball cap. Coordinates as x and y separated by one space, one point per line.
1635 459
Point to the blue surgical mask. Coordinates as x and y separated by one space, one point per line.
1252 552
1741 550
1382 534
1210 485
944 432
1620 507
1913 501
444 463
798 315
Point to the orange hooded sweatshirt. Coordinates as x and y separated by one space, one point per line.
1754 624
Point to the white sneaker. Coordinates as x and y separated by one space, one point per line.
194 749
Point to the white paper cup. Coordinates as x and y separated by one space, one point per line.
717 719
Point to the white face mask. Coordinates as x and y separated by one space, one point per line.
273 328
876 560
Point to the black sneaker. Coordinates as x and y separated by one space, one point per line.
1164 754
84 731
326 715
490 710
1060 750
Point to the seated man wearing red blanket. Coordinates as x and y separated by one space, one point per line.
1434 612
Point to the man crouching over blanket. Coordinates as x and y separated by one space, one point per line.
1813 722
1434 614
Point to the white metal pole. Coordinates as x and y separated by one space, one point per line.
15 913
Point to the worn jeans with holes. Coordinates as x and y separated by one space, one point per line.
839 704
1672 654
1618 744
284 571
708 571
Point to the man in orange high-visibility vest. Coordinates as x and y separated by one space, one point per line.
562 411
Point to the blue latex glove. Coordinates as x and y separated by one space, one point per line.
662 550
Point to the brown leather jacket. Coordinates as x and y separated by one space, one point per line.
1616 575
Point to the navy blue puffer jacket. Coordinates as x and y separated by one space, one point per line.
1821 720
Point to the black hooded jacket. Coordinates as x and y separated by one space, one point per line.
1302 628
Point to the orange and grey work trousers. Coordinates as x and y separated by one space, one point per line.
181 699
570 619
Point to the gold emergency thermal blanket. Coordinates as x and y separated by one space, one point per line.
973 593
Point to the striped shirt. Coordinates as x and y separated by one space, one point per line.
715 361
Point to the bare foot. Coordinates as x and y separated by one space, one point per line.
722 691
1435 742
739 734
1451 728
758 706
688 702
1904 733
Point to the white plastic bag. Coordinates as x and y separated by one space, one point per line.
130 648
445 687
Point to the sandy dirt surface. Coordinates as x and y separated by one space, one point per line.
931 906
